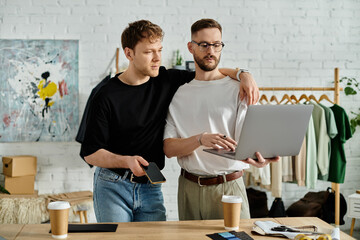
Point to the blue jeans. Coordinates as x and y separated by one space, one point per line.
116 199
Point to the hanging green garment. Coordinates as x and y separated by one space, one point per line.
337 159
331 131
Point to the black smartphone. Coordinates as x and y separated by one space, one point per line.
153 173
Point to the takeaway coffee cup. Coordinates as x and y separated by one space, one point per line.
59 215
232 210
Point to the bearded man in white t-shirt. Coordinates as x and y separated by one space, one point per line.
207 112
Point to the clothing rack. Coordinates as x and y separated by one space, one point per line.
117 61
336 89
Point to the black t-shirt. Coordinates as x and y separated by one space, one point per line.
130 120
82 128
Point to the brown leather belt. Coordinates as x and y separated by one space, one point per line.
206 181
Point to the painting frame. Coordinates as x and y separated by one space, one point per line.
39 90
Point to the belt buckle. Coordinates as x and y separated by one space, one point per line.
200 177
131 178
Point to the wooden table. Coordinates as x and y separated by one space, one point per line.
157 230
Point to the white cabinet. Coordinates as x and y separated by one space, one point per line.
354 206
354 209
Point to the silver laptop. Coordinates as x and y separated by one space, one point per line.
272 130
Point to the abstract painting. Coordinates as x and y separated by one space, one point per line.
38 90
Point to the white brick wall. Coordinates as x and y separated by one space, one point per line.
284 43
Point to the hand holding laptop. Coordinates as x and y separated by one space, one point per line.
260 162
220 141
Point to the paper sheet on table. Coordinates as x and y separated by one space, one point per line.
266 226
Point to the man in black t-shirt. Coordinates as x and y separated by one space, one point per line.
125 126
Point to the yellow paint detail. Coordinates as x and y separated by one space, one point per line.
51 103
47 91
304 237
324 237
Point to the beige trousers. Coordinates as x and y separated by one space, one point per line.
204 202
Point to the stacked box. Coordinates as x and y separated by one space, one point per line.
19 174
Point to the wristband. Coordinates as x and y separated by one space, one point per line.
199 139
240 70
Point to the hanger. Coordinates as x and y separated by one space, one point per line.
263 98
325 97
273 98
286 97
295 100
304 96
312 97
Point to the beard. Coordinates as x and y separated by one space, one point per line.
201 62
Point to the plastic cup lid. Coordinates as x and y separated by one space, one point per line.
58 205
231 199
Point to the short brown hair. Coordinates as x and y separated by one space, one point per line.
139 30
205 23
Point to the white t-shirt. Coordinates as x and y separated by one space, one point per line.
212 107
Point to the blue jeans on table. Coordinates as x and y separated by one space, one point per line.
116 199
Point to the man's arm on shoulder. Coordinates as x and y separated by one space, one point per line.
180 76
248 86
106 159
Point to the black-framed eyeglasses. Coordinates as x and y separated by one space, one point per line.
204 46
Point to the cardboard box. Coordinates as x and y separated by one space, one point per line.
17 166
20 185
35 195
